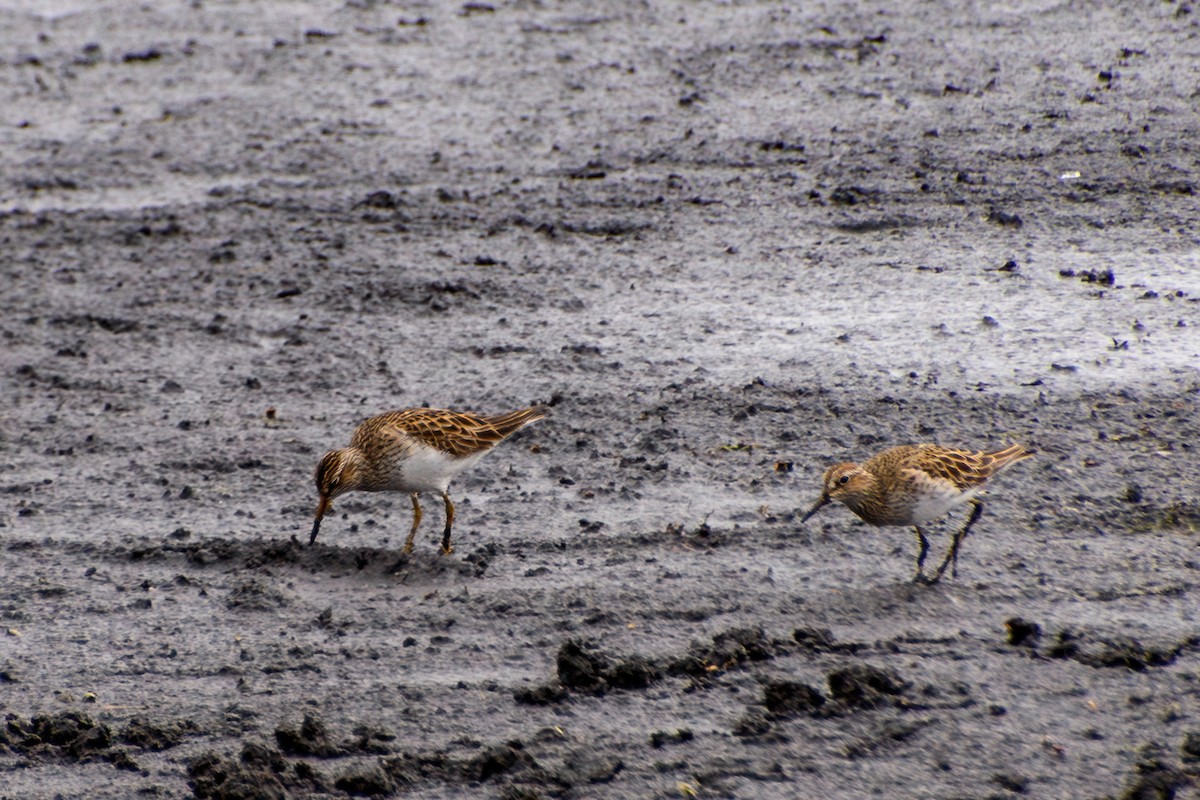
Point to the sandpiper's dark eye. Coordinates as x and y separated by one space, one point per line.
844 479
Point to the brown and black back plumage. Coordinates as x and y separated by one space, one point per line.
961 468
454 432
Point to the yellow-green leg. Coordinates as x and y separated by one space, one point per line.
922 551
952 556
408 543
447 548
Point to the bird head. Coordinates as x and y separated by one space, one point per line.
337 473
844 483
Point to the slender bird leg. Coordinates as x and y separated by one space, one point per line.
408 543
952 554
923 544
447 548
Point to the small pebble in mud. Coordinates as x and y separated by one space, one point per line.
989 322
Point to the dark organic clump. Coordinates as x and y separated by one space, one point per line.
1115 651
1155 775
787 698
728 649
68 736
260 773
508 762
365 782
254 595
584 669
864 686
1023 632
820 640
149 735
310 739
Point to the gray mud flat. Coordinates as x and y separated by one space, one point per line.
727 245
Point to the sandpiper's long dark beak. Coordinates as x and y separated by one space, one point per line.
816 507
322 507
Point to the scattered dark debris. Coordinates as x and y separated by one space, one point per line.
1190 748
68 736
381 198
1104 277
149 54
1023 632
583 669
785 699
369 781
261 773
310 739
1156 775
475 7
265 773
1117 651
849 196
865 686
254 595
147 734
508 761
592 170
821 640
1092 649
889 733
1004 219
660 739
589 766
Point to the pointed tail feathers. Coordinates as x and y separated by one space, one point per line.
508 424
1009 455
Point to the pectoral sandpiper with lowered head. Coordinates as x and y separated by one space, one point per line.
914 484
415 450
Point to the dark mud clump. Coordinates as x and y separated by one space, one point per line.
584 669
865 686
1096 649
66 737
259 773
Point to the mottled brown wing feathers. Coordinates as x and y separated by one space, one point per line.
453 432
963 469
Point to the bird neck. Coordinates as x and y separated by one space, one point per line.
354 471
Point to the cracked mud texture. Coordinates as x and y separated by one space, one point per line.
729 244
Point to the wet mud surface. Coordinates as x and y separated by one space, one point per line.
727 245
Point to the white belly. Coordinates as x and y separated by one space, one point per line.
936 498
428 470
